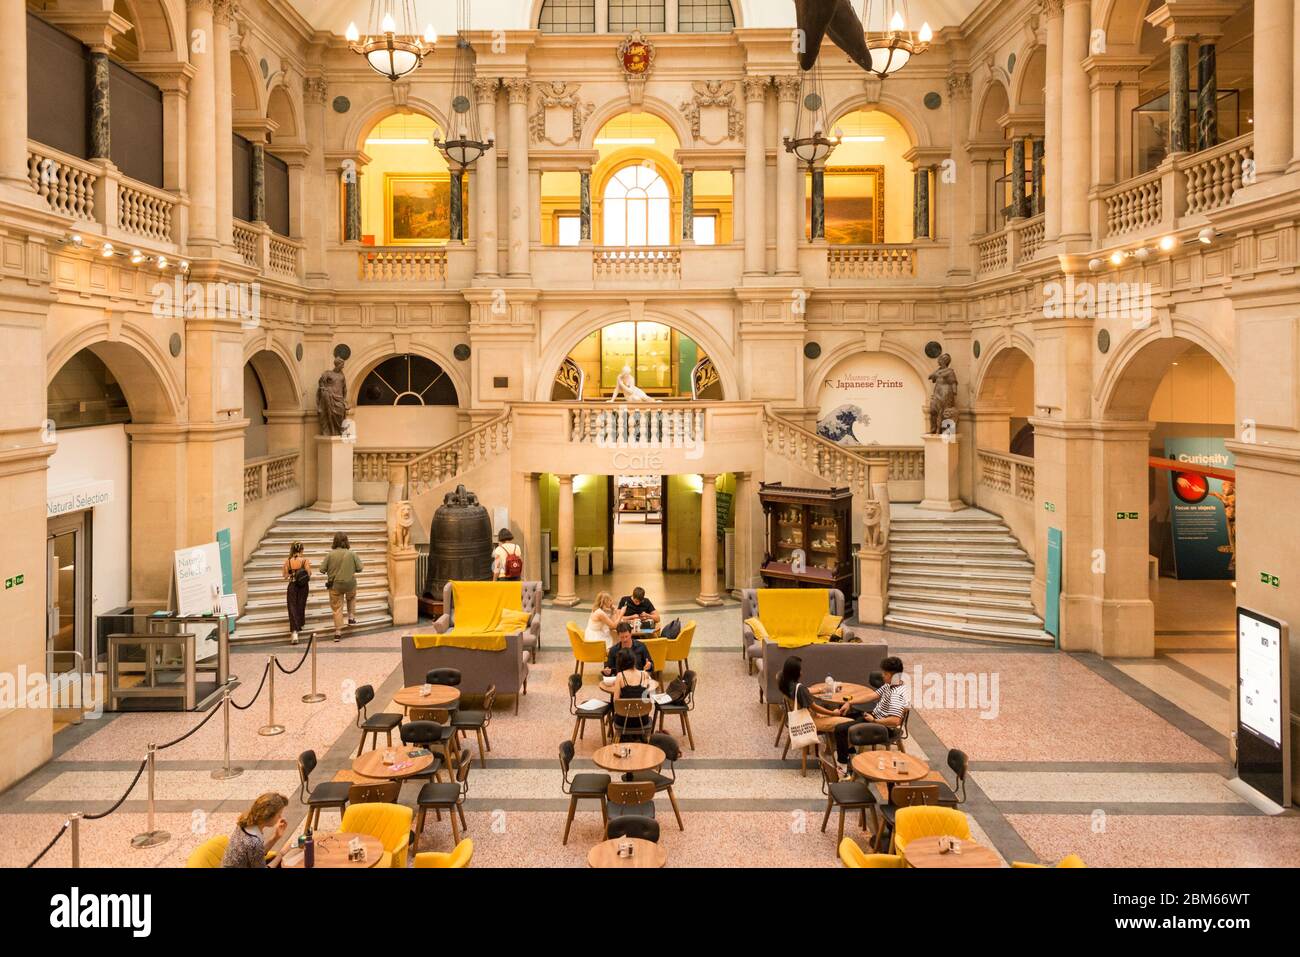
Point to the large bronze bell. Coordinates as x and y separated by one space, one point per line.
460 542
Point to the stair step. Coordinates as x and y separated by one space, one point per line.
970 563
266 583
991 537
944 611
962 549
938 596
317 599
324 629
270 613
947 524
962 583
1034 636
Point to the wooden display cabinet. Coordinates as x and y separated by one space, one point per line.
818 521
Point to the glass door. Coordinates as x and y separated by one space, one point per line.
66 614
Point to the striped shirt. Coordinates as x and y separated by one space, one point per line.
894 698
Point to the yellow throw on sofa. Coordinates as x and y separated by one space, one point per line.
485 613
792 617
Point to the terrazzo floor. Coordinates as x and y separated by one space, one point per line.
1122 762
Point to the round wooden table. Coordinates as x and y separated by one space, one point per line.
867 764
924 852
854 694
332 851
439 696
644 854
371 764
643 757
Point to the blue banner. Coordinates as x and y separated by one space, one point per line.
1202 510
1052 596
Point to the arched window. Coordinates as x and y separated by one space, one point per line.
568 16
638 210
84 392
705 16
407 380
648 16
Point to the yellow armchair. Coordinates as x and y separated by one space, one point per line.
679 648
391 823
854 856
927 820
584 652
210 852
658 648
1070 860
459 857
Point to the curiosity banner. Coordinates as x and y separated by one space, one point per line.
1202 510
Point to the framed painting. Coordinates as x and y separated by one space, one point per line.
417 208
855 205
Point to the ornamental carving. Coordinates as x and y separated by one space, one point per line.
636 55
958 85
560 113
712 107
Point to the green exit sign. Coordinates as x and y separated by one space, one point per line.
1267 579
1121 516
15 581
232 507
1049 506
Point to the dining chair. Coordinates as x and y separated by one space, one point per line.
631 799
586 786
391 823
443 676
596 710
658 648
679 648
477 720
786 707
378 792
853 856
459 856
330 794
645 828
898 734
867 736
919 793
683 708
210 852
584 652
960 766
664 782
1070 860
928 821
636 718
384 721
449 797
435 737
847 796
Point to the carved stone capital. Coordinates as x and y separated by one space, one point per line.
485 89
755 88
314 89
958 86
1053 8
224 11
517 89
788 87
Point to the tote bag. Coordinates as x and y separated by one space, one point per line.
803 732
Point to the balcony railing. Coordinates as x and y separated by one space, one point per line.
246 243
270 475
1005 473
145 211
1134 204
1214 175
258 246
402 264
67 184
870 262
641 425
991 255
641 262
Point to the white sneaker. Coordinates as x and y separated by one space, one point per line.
293 640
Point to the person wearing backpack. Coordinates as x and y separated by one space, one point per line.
507 559
297 572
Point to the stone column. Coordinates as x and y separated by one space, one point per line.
201 139
737 204
688 206
584 205
314 214
517 176
257 184
1037 159
1017 177
1053 141
223 155
709 543
1180 140
755 234
1295 93
485 179
1076 136
457 206
101 138
962 189
564 588
1207 95
1274 123
13 98
534 560
789 198
817 229
921 203
352 205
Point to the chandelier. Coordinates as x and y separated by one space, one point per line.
809 142
391 45
891 44
463 145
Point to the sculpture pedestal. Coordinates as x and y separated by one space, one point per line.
402 595
333 475
941 482
873 576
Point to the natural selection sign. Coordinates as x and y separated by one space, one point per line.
871 399
1202 510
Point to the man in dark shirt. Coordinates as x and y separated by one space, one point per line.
625 642
637 605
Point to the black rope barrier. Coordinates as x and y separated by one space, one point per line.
48 847
244 707
301 661
211 714
125 794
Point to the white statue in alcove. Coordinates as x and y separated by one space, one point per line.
626 384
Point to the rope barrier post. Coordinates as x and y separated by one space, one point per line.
74 819
151 837
271 728
315 695
226 771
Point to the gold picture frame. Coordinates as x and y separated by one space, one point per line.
857 219
417 209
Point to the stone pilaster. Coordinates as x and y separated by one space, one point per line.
1207 95
257 184
755 198
789 198
817 228
485 179
517 89
101 137
1017 177
457 206
688 206
584 205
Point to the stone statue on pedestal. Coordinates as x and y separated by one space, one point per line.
332 399
873 535
943 397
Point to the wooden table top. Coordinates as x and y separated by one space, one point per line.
439 696
924 852
867 763
643 757
855 694
371 764
332 851
644 854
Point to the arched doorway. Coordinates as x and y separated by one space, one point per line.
1004 403
664 362
405 187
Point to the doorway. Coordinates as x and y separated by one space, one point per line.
67 601
638 523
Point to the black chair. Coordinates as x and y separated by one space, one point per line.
581 787
847 796
683 708
875 679
477 721
431 735
960 765
330 794
632 718
899 734
386 792
631 799
445 797
443 676
646 828
903 795
868 735
582 715
375 723
664 782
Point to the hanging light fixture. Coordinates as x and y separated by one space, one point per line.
463 145
891 44
810 144
391 46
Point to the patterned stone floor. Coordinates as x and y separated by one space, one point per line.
1122 762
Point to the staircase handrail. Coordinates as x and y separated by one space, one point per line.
859 465
450 459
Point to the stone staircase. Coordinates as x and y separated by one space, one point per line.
962 575
264 613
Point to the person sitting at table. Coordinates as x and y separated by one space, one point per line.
631 682
886 704
641 656
604 617
257 829
638 606
791 685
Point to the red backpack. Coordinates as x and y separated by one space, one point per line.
514 566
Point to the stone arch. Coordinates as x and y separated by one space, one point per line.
652 105
1028 86
136 362
1129 381
1002 360
277 373
245 90
914 358
159 27
281 110
362 363
563 340
896 108
380 109
993 104
1123 22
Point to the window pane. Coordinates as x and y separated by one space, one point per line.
705 16
569 230
628 15
568 16
660 222
636 222
615 222
706 230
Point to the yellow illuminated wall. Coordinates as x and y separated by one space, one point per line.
889 153
418 156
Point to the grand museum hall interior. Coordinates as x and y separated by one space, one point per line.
378 364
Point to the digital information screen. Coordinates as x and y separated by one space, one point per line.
1262 705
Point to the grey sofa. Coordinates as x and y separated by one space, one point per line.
506 669
751 647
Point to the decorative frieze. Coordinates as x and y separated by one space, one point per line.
712 112
560 114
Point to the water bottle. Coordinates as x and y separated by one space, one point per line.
309 851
